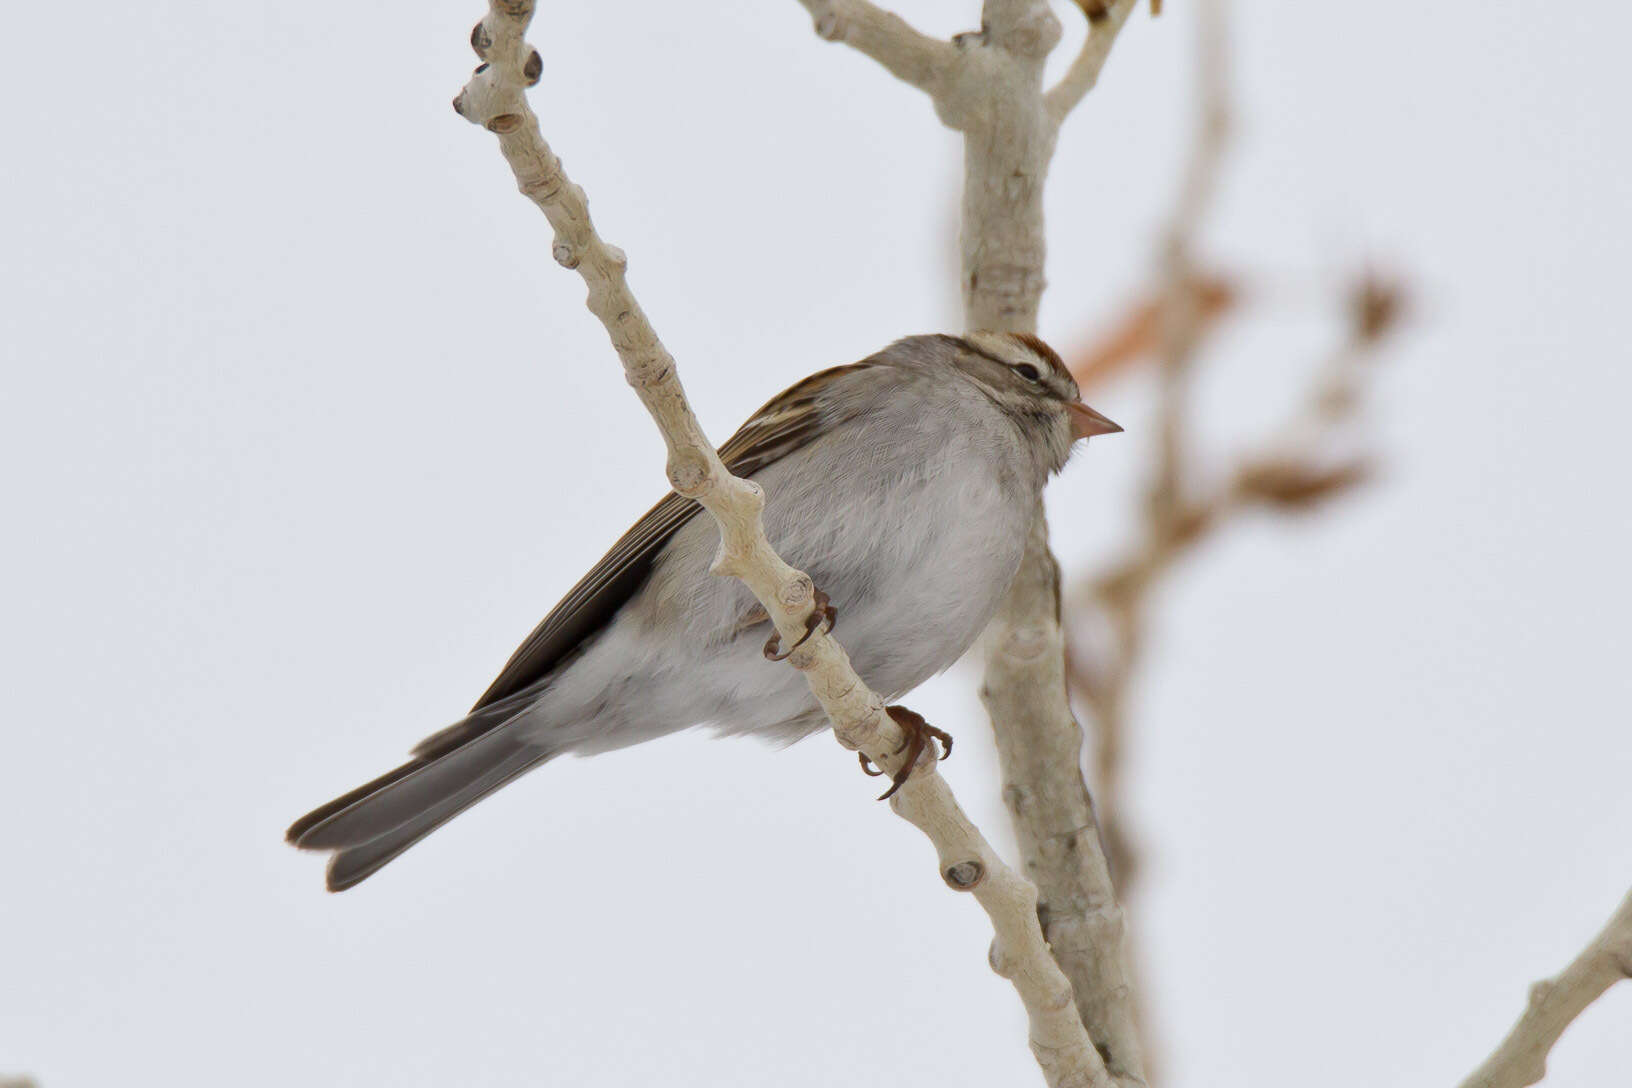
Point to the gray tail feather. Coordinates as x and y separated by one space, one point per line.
354 864
372 824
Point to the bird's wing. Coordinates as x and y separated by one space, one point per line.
781 426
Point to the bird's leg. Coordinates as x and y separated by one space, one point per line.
823 616
918 733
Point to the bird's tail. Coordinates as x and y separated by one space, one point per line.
450 771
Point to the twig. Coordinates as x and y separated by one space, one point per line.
1171 519
910 56
1521 1059
1180 509
495 99
1305 466
1105 21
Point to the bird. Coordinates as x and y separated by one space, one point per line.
904 485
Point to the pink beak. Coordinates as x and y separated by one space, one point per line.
1085 422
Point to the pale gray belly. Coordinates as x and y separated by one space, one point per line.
915 560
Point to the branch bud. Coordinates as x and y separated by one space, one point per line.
688 474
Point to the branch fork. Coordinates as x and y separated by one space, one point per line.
988 85
494 98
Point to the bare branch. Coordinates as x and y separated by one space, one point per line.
1040 750
994 97
1105 21
494 98
910 55
1521 1059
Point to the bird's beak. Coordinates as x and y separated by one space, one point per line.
1085 422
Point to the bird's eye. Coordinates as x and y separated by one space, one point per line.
1028 372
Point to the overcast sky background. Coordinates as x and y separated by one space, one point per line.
303 430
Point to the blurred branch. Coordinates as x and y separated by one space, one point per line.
1137 334
1301 470
1521 1059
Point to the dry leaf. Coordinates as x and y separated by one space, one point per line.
1291 485
1138 333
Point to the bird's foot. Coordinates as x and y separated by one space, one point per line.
822 617
918 733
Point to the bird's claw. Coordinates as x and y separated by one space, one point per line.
918 733
823 616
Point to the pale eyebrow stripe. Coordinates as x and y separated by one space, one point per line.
984 354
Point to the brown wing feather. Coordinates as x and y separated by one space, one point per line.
781 426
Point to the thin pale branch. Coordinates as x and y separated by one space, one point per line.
1554 1003
1105 22
494 98
910 55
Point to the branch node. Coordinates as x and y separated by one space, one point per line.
796 591
544 188
651 370
565 253
533 70
480 39
1026 642
964 876
1032 37
503 123
688 474
1064 999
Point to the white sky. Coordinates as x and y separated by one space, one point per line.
303 430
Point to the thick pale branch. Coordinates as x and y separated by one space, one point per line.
995 98
1025 29
1105 22
1040 750
1554 1004
911 56
494 98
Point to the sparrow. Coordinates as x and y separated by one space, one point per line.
903 484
